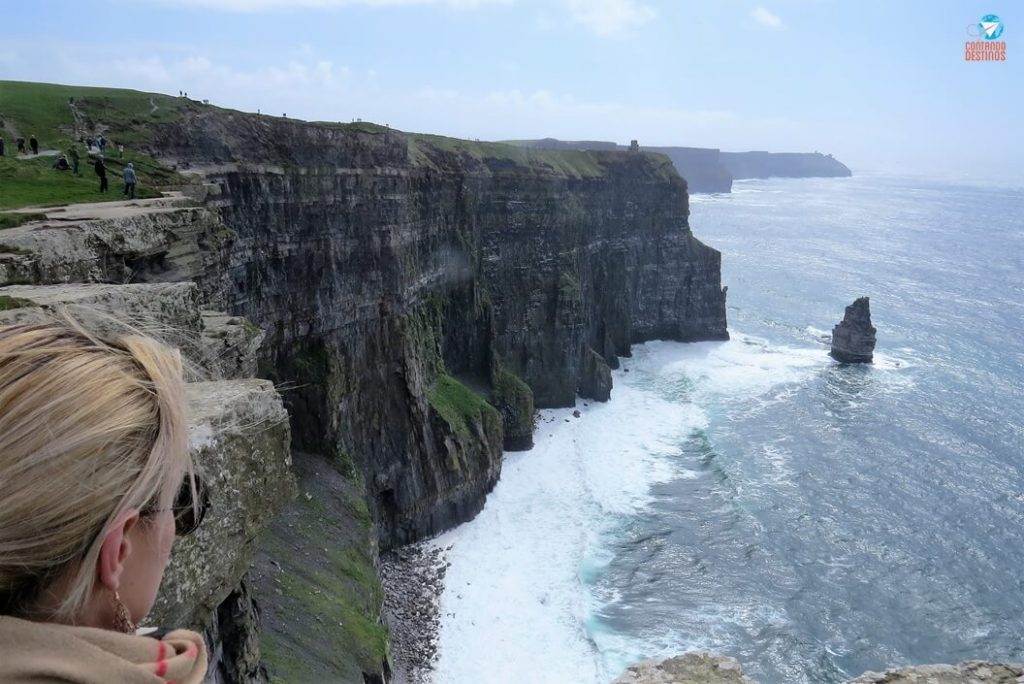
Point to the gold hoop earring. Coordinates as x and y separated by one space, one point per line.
122 618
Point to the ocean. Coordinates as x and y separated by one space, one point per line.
755 498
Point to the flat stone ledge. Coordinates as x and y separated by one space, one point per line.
240 441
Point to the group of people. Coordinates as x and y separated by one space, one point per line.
71 160
32 143
128 174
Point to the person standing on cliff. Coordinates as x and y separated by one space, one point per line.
1 147
101 171
129 181
34 144
73 152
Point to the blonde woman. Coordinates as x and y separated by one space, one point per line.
95 481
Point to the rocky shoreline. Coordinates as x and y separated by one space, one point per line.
413 579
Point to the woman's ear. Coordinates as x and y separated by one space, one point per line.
115 549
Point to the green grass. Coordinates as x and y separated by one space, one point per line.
570 163
330 604
7 303
44 110
460 406
15 220
34 182
514 400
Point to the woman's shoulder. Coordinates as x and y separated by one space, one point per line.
45 652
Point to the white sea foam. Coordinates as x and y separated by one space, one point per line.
516 605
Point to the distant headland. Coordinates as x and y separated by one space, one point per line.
708 169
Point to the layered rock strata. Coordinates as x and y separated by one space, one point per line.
853 338
408 284
239 432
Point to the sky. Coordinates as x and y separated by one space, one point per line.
882 85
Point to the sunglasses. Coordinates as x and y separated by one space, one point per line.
188 512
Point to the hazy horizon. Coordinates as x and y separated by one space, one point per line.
880 90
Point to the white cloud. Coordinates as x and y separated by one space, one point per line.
269 5
610 17
766 18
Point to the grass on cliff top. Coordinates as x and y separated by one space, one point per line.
45 110
571 163
34 182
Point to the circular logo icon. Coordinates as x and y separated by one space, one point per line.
991 27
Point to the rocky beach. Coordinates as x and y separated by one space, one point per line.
413 578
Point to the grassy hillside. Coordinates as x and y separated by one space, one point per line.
59 116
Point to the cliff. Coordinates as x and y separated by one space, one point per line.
239 438
710 170
408 285
701 167
415 297
783 164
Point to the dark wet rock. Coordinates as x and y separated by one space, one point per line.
853 339
387 270
596 380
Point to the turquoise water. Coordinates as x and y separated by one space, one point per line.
759 500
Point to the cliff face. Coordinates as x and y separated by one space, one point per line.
783 164
393 275
238 427
701 167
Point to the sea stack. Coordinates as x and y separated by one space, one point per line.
853 339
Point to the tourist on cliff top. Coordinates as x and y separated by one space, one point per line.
21 145
61 163
1 147
90 506
101 171
34 144
75 158
129 181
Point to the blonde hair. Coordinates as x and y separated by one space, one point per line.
89 428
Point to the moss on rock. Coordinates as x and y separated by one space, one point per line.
460 406
514 400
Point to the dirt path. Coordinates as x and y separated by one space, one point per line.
42 153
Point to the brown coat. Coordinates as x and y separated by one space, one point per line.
45 653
